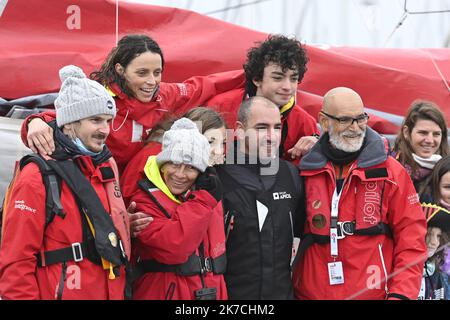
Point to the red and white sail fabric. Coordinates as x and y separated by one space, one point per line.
39 37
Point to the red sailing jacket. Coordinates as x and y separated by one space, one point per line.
25 236
172 241
134 119
134 170
299 122
377 190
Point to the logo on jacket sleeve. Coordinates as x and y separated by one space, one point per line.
281 195
20 204
413 198
316 204
182 89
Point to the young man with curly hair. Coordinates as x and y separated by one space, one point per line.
273 70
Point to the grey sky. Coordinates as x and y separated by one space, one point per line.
367 23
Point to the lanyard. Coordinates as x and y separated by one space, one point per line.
333 223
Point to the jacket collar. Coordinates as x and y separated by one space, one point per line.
373 153
152 172
132 107
284 109
66 149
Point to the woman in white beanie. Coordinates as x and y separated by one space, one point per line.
132 72
182 252
210 124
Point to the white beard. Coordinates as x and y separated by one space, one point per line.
338 141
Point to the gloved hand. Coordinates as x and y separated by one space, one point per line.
210 182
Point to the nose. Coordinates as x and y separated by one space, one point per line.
214 151
429 138
272 134
434 240
286 84
180 172
151 80
354 126
104 127
217 148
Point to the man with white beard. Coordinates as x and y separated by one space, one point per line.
364 232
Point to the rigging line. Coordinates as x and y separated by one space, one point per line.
438 70
426 12
405 8
233 17
399 24
234 7
406 12
225 13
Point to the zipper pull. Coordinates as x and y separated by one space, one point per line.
112 276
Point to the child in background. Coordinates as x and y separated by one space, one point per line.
435 281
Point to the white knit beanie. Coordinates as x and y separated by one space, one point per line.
183 143
81 97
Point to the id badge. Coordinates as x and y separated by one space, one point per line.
335 273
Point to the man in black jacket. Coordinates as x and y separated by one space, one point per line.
263 205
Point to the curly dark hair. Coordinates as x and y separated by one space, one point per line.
279 49
128 48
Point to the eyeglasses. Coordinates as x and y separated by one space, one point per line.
348 121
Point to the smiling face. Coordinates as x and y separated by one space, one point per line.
142 75
347 138
340 103
261 132
433 240
92 131
444 187
179 178
216 139
276 85
425 137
